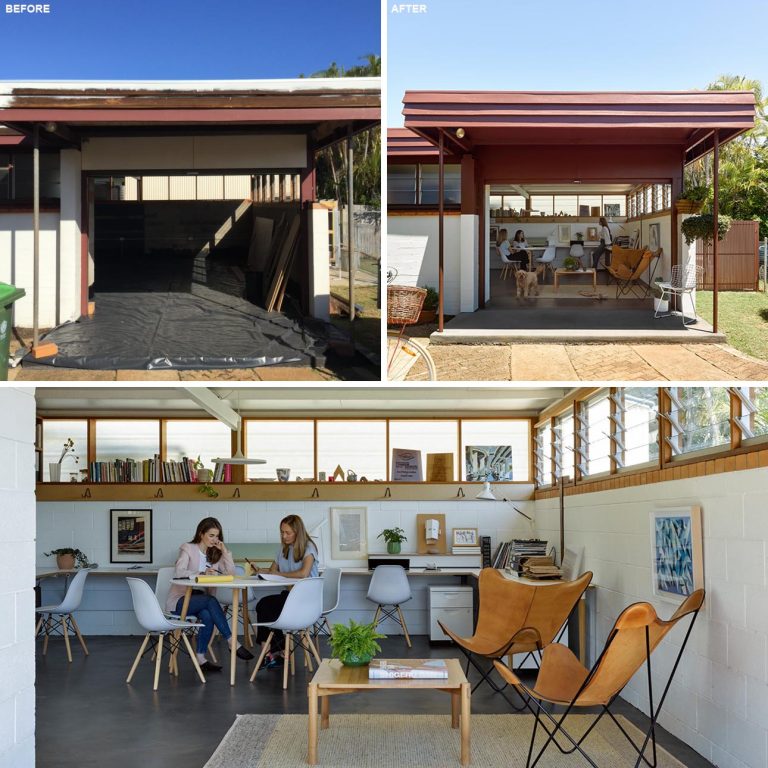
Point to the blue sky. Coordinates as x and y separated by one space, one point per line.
186 39
546 45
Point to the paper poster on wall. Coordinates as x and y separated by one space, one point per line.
491 463
406 465
676 542
440 468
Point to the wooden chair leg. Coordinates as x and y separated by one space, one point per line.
39 624
286 660
313 648
138 658
65 628
260 660
405 628
193 657
160 640
376 617
79 636
292 646
47 626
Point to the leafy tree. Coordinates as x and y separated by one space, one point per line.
332 161
743 162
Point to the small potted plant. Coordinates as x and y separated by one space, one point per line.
580 236
692 199
429 308
571 263
353 644
203 475
394 538
68 558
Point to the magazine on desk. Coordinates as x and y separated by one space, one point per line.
276 577
390 669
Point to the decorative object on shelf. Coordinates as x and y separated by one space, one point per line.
702 227
203 475
440 468
353 644
677 552
130 533
488 462
283 474
465 537
321 477
54 468
68 558
406 465
351 476
338 474
431 533
349 536
394 538
583 210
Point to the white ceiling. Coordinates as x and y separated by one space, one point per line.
287 400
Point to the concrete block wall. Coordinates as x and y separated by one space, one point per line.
17 578
106 607
718 703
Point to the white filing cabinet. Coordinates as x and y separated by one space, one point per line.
453 606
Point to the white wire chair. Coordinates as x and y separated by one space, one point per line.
683 282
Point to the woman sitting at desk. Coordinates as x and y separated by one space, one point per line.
296 559
519 248
206 554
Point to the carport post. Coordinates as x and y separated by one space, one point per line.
350 235
35 234
715 215
440 212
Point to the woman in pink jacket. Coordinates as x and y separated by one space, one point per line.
207 554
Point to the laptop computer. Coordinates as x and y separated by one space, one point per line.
374 562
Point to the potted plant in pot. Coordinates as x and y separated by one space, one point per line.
429 308
394 537
203 475
571 263
68 558
353 644
692 199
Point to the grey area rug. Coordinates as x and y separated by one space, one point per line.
412 741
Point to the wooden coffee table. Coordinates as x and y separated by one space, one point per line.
566 272
333 678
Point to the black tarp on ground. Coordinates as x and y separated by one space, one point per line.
198 330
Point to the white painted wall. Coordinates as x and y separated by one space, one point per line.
69 237
16 263
425 272
194 153
319 270
468 264
719 702
106 607
17 578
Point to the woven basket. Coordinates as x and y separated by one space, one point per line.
404 304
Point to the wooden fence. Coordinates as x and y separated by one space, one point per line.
737 259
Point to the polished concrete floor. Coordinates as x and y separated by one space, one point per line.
87 716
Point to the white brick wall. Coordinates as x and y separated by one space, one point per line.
719 701
106 607
17 578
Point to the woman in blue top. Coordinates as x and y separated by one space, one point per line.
296 559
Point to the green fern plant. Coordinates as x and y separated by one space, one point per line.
355 641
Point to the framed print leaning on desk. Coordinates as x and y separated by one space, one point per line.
349 536
130 535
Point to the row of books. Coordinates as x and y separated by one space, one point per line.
151 471
510 554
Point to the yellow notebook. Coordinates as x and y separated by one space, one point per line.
203 579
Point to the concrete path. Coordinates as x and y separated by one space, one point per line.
593 362
276 373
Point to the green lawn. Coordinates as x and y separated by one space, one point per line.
742 317
366 329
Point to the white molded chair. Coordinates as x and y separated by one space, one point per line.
152 618
331 588
577 252
302 610
508 265
545 261
684 280
54 619
389 586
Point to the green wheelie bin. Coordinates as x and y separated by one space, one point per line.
8 295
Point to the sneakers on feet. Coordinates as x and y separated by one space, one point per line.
275 661
209 666
243 653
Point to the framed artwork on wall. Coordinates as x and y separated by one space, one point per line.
349 533
564 233
130 535
611 209
592 233
494 234
654 236
488 462
465 537
676 551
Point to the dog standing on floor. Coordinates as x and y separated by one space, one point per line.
527 283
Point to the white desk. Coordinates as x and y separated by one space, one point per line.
243 583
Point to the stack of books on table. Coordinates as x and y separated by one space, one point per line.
511 553
392 669
465 550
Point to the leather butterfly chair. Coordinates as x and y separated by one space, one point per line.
515 617
563 680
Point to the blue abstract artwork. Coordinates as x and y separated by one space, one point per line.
673 552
